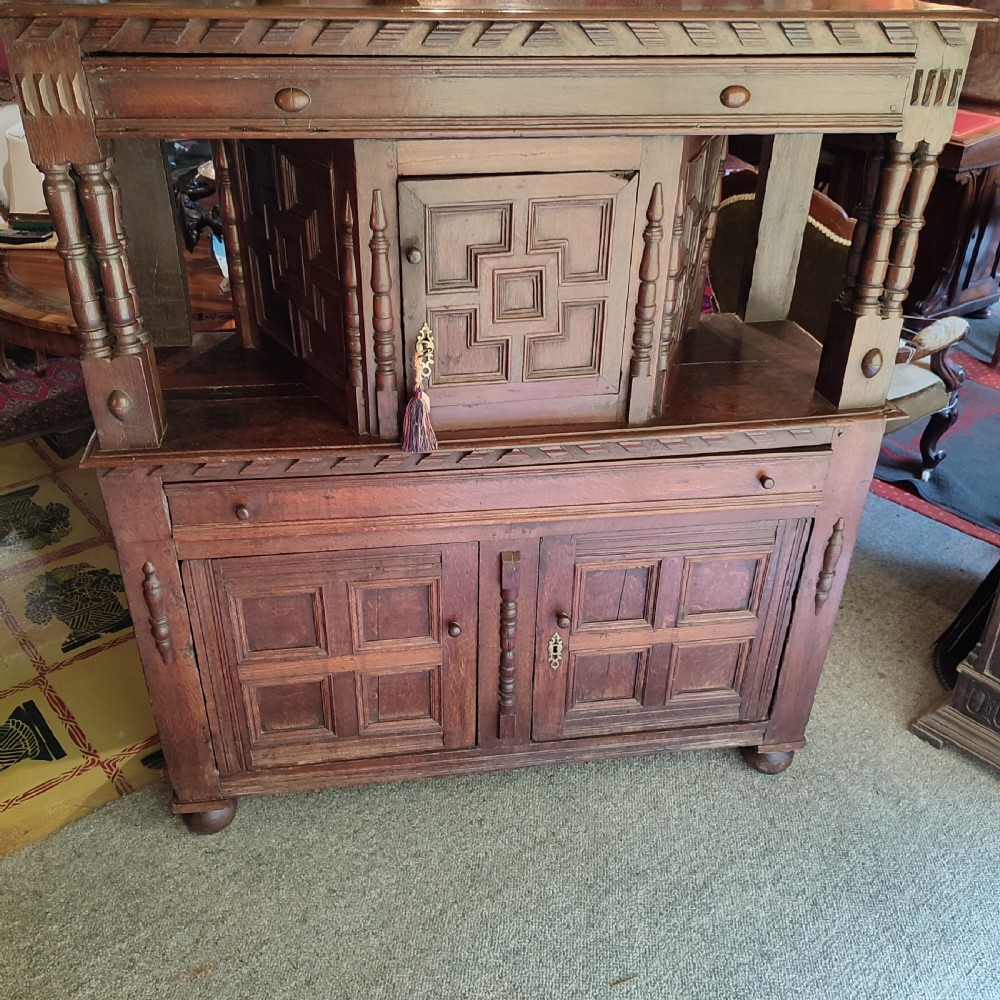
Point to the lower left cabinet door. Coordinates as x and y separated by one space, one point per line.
332 656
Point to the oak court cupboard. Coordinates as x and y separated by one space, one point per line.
625 527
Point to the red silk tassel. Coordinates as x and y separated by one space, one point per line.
418 433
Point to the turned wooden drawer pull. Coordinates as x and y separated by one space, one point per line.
292 99
767 482
563 620
454 629
242 511
735 96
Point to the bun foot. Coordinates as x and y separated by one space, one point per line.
773 762
211 820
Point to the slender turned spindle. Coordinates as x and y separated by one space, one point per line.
671 296
352 309
59 189
119 228
382 319
649 273
712 199
510 580
871 276
869 192
231 238
97 196
904 244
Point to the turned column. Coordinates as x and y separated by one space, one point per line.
84 202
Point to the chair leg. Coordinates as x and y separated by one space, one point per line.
953 375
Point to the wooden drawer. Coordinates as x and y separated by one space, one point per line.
361 96
417 500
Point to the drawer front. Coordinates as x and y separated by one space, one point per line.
384 96
260 508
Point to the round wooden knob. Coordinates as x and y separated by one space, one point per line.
414 256
291 99
563 620
454 629
767 482
242 511
734 97
871 363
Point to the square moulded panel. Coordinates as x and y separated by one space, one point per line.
288 708
722 586
400 702
273 622
405 611
608 677
702 668
619 594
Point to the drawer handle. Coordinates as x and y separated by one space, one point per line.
563 620
242 511
767 482
291 99
735 96
454 629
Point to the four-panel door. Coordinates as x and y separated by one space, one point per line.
679 626
319 657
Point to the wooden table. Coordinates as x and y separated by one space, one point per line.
633 533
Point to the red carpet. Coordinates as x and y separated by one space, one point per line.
964 490
32 405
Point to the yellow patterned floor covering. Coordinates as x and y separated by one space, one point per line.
76 729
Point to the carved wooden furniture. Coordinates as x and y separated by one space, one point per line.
633 534
925 380
957 271
969 717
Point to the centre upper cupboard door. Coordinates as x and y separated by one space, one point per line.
524 281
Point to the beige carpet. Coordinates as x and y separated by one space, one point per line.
867 871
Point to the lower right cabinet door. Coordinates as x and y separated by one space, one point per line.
663 628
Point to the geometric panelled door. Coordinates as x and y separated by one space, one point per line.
524 281
331 656
674 627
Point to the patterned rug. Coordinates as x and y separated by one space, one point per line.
32 405
76 730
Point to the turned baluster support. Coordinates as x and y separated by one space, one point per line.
868 318
640 404
352 319
119 367
59 188
383 323
904 244
222 159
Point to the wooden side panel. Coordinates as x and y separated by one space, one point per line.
317 657
289 194
654 630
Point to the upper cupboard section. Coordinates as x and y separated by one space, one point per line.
555 275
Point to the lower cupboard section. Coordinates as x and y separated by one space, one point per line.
616 641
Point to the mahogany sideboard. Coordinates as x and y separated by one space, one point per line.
633 531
